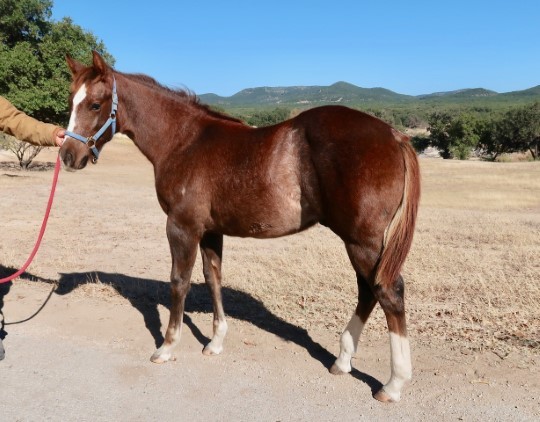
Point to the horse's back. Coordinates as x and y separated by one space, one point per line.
334 127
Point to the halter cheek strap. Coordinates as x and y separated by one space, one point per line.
111 121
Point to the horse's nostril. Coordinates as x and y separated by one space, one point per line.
83 162
68 159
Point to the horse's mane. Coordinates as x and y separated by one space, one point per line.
180 94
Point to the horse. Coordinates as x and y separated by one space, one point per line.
216 176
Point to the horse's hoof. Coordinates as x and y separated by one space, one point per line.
336 370
384 397
160 356
340 368
211 351
158 359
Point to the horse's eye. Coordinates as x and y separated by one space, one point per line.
95 106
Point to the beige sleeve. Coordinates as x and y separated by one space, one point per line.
25 128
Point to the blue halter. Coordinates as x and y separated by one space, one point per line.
111 121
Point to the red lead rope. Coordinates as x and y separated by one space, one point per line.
43 226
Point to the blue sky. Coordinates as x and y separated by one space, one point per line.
411 47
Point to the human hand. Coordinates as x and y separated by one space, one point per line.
59 137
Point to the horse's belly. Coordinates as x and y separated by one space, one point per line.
282 218
267 218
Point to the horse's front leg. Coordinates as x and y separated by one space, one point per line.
183 243
211 251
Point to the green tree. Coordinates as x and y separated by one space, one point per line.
386 115
268 118
523 129
489 143
439 136
517 130
24 21
33 73
413 120
420 143
454 136
463 136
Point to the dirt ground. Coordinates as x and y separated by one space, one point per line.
102 275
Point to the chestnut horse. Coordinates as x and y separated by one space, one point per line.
217 176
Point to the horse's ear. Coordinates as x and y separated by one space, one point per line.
99 64
74 65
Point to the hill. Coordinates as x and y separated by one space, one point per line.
348 94
338 93
461 93
533 93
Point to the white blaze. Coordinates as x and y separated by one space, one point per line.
77 99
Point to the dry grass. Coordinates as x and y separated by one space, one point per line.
474 270
515 157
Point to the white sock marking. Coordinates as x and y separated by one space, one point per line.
401 366
216 344
349 343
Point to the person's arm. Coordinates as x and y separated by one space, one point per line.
25 128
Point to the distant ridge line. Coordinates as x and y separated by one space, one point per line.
349 94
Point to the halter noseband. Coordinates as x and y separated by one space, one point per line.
111 121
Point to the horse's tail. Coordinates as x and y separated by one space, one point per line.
398 235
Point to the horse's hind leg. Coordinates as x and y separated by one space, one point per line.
351 334
390 296
183 246
211 251
391 299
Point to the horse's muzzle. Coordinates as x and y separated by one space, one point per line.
71 163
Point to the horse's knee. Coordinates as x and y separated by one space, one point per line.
179 288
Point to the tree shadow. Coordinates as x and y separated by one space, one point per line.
146 295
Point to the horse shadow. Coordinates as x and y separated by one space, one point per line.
145 295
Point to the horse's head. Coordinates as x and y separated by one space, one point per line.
93 112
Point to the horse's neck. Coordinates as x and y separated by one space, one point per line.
146 116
